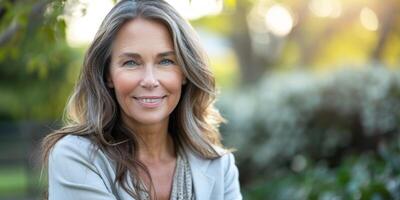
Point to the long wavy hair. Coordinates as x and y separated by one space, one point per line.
93 112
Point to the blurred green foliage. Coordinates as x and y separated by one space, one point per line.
305 135
368 176
13 181
37 67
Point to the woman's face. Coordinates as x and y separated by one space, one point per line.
144 73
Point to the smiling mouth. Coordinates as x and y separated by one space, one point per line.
150 101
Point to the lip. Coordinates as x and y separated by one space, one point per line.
150 101
150 97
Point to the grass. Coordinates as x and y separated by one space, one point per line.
15 181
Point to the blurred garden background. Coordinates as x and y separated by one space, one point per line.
310 89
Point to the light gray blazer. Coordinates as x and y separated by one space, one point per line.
75 174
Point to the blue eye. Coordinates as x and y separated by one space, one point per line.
130 63
167 62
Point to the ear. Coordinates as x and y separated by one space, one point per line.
184 81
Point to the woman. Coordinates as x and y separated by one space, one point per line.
141 122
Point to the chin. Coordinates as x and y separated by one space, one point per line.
149 119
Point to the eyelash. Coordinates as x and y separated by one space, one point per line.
134 63
171 62
129 61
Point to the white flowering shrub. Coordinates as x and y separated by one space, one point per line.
287 118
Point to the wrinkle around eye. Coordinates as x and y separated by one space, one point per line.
167 62
130 63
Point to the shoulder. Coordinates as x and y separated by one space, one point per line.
74 157
72 145
221 174
226 157
77 150
224 161
227 176
73 142
77 169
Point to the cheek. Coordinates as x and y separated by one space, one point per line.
124 84
173 82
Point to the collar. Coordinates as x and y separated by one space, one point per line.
202 181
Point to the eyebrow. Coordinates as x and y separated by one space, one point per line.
136 55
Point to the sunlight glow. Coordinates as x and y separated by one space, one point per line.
279 20
326 8
256 20
369 19
82 26
195 9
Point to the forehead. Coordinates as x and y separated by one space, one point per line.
143 34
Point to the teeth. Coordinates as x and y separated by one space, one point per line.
150 100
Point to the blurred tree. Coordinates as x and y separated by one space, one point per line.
313 37
389 16
252 64
35 72
337 38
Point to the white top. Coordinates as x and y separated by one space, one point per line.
75 173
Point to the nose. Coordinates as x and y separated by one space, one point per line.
149 79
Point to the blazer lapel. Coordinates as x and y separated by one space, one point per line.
203 183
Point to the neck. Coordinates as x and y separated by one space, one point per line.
155 146
155 143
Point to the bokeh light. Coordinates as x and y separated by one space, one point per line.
369 19
84 19
326 8
279 20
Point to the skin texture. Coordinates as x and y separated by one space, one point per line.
143 66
